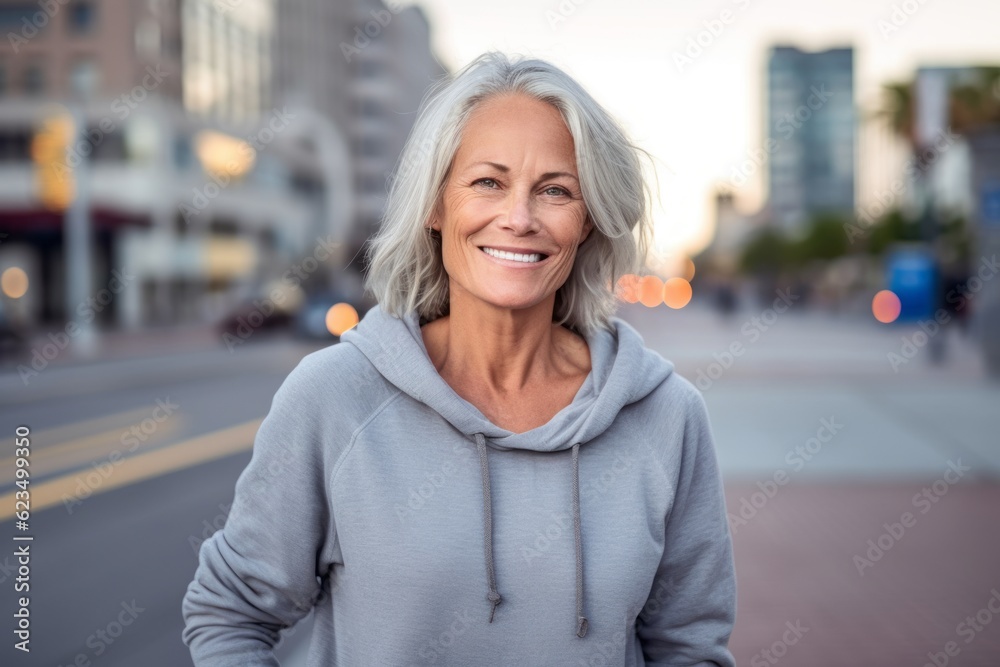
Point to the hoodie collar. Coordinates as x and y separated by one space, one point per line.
623 371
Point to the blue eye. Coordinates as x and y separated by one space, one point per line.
488 181
552 189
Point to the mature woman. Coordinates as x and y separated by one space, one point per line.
491 468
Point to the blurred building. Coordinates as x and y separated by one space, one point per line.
225 53
85 47
810 134
222 140
733 228
366 65
961 175
199 189
946 158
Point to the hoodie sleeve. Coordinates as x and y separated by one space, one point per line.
261 572
691 609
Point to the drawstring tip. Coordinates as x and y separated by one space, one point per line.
581 628
495 599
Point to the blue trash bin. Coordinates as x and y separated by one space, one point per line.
911 274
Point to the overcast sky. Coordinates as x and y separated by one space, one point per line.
701 117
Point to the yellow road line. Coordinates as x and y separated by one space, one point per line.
184 454
79 450
68 431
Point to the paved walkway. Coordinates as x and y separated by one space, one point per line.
838 559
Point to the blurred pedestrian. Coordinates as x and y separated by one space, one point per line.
953 296
725 298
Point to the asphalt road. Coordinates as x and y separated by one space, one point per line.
116 547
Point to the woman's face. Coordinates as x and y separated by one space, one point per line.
513 186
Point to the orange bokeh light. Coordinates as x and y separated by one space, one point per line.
689 269
628 288
676 293
886 306
650 291
340 318
14 282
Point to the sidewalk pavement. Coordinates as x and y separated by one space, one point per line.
868 574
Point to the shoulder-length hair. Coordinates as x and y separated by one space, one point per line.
406 271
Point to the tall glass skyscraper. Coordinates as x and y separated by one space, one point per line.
811 134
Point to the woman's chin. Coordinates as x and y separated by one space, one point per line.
513 301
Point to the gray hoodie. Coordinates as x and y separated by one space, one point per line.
423 534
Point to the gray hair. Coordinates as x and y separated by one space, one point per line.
406 271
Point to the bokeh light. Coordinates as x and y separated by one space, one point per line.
14 282
628 288
650 291
886 306
223 155
677 293
340 318
688 269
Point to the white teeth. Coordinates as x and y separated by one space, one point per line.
517 257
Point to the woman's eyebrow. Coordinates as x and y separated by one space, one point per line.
553 174
496 165
505 169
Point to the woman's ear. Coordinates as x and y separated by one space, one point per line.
435 217
588 227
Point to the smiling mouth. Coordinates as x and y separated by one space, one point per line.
527 258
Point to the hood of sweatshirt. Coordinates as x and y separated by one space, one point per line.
623 371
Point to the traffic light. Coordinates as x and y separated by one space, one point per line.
56 186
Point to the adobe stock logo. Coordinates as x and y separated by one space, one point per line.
779 648
752 329
895 531
363 35
796 458
969 629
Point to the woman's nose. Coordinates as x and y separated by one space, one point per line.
520 211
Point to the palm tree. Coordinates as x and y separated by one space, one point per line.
897 109
975 105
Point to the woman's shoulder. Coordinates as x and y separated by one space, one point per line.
340 375
676 425
677 408
678 390
334 359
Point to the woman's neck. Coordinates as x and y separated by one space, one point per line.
502 351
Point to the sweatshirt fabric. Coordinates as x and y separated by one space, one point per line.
424 534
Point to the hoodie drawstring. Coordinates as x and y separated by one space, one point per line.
494 596
484 466
581 620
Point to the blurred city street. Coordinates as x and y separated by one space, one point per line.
123 528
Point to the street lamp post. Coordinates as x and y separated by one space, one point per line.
76 246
